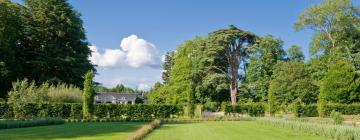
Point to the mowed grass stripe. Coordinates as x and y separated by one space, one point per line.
77 131
227 130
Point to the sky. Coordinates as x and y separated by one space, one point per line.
129 37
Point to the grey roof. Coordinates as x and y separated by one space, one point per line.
117 95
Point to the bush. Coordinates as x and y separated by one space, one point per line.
7 124
311 110
6 111
25 91
252 109
74 111
88 95
336 116
300 110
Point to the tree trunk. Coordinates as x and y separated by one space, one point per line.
234 66
233 92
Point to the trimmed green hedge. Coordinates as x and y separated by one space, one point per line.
311 110
7 124
252 109
74 111
305 110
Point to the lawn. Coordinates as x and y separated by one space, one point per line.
81 131
226 130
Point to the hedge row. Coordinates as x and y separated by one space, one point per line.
252 109
7 124
311 110
74 111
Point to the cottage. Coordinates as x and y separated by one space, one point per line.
116 98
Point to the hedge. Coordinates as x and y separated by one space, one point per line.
74 111
252 109
7 124
311 110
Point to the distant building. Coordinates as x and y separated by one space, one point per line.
116 98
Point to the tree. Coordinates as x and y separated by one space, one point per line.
341 83
294 53
264 57
88 95
168 63
332 20
291 82
10 33
54 47
233 43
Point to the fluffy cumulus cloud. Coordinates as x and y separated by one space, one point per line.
134 52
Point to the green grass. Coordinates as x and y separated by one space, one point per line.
226 130
81 131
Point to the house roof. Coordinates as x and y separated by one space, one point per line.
128 96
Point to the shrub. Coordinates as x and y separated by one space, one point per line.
143 131
338 132
336 116
88 95
252 109
6 111
198 111
300 110
7 124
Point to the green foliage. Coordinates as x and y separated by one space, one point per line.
168 63
7 124
294 53
54 47
198 110
252 109
24 91
43 41
341 83
310 110
291 82
338 132
332 20
272 103
336 116
301 110
88 95
10 32
265 55
321 103
74 111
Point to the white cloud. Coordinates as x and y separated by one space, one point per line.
143 87
134 52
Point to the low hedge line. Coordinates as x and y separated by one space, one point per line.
252 109
74 111
7 124
145 130
311 110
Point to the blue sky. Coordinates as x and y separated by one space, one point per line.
161 25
